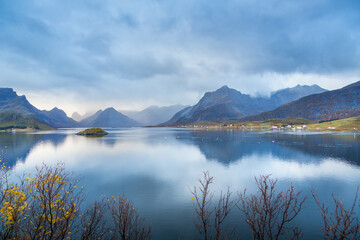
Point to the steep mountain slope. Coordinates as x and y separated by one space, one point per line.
11 119
57 118
108 118
19 108
226 103
337 104
154 115
10 101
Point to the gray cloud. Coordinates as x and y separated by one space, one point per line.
133 53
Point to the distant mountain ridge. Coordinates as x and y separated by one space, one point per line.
154 115
227 103
78 117
108 118
336 104
287 95
308 102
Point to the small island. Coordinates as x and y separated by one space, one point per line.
96 132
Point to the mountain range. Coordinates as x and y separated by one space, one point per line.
308 102
227 103
337 104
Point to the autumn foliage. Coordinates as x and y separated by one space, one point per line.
50 205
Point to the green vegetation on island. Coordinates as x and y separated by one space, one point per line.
93 132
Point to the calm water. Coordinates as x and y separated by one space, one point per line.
155 167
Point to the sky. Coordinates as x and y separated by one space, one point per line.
88 55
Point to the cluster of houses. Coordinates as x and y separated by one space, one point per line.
289 127
274 128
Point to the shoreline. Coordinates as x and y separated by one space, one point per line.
220 128
271 130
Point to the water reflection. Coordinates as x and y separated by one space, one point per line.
156 166
17 147
230 146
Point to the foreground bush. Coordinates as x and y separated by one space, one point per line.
210 218
342 222
127 223
270 212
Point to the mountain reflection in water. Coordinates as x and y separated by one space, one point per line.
155 167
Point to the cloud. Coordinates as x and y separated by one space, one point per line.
141 52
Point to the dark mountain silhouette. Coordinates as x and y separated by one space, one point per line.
14 108
58 118
226 103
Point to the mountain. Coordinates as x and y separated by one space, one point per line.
287 95
154 115
337 104
20 111
108 118
226 103
10 101
78 117
57 118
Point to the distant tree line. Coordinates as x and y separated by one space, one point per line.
49 204
15 126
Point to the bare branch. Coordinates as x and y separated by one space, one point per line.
342 223
269 212
127 223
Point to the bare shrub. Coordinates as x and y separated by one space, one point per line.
342 223
127 224
222 210
204 209
269 212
